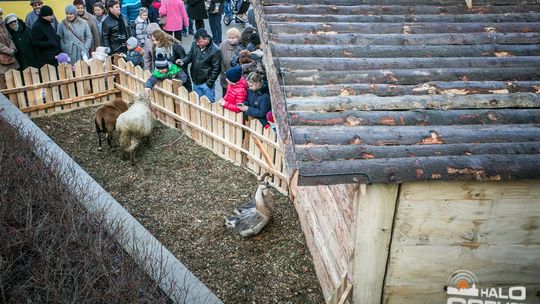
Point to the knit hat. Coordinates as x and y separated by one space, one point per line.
46 11
63 58
234 74
71 9
152 27
161 62
10 18
132 41
32 2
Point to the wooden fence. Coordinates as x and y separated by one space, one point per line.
246 144
53 89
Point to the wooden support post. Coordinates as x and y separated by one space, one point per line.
373 227
263 151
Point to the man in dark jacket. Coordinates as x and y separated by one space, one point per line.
22 37
205 59
115 30
45 41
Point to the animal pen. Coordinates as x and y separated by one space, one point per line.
51 90
408 138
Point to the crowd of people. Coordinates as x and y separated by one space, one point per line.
149 34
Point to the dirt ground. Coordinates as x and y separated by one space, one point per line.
180 192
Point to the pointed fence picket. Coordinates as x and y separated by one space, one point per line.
55 89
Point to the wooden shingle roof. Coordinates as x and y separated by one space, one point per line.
406 90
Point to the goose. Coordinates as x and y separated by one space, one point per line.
252 217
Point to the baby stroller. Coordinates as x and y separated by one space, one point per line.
234 8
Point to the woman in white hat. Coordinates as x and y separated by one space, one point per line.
22 37
7 52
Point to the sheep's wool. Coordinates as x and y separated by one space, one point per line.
135 124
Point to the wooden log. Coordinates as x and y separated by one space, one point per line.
408 76
306 153
408 102
403 28
347 64
406 39
397 170
414 135
312 233
451 87
403 2
278 100
382 51
417 118
385 10
296 17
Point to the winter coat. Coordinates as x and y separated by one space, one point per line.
96 34
32 17
46 43
75 38
130 9
135 56
99 21
148 56
227 51
174 72
175 11
7 48
23 41
140 30
236 93
205 63
259 104
216 3
197 10
153 11
114 36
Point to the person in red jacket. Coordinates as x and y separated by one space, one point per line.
236 90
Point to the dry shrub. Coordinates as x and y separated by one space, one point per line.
51 249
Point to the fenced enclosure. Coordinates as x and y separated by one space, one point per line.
65 88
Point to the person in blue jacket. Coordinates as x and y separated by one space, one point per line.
257 103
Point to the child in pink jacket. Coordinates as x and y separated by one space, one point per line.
236 90
176 17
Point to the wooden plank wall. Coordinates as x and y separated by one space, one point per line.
219 130
55 89
327 216
488 228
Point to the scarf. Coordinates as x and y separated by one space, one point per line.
121 26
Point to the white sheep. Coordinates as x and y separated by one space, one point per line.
135 124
